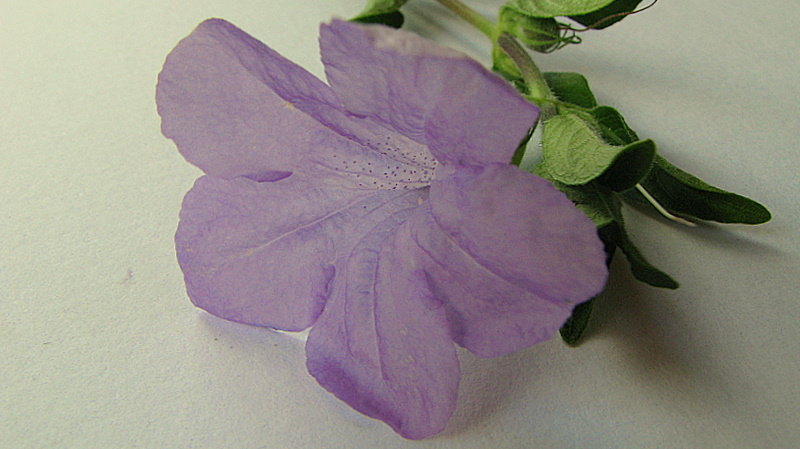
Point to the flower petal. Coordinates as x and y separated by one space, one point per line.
231 104
433 95
237 108
382 344
510 256
264 253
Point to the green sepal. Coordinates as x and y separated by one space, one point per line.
570 88
602 18
538 34
686 195
556 8
641 269
575 154
386 12
507 68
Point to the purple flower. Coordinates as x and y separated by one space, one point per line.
381 208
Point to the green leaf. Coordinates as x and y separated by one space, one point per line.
386 12
538 34
604 207
519 154
571 88
679 192
613 127
602 18
641 269
556 8
392 19
631 167
594 200
683 194
575 154
572 330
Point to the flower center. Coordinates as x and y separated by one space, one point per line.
385 162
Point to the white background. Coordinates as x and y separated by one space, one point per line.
100 347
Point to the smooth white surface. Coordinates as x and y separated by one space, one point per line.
100 348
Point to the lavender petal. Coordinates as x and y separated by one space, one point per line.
230 103
264 253
433 95
510 256
382 344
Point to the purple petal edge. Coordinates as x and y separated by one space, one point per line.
382 343
511 256
227 100
431 94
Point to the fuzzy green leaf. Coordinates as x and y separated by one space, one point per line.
679 192
556 8
613 127
683 194
572 330
575 154
641 269
386 12
519 154
571 88
608 15
392 19
604 207
594 200
631 167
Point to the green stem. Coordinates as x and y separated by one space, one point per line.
537 86
470 15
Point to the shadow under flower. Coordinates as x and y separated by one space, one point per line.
669 350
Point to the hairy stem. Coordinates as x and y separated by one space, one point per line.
538 91
537 86
470 15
